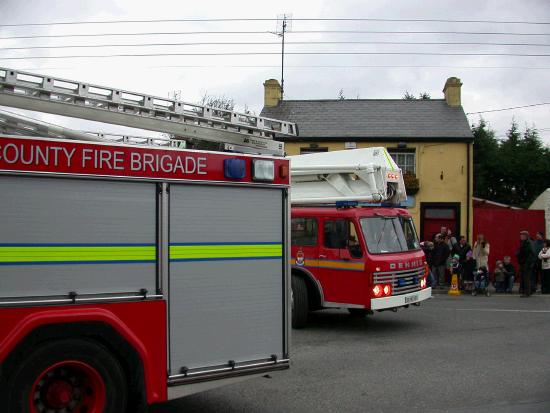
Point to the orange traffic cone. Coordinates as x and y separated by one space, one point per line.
454 286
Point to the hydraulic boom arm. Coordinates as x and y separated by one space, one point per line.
363 175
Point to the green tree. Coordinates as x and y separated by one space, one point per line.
421 96
533 168
486 151
424 96
513 171
509 155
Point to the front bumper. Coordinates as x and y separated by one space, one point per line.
400 300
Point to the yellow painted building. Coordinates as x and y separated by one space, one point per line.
429 139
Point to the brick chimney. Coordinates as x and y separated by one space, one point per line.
452 91
272 92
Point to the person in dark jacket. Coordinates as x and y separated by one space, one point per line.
461 248
526 258
428 247
439 259
500 277
510 272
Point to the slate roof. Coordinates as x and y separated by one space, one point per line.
373 119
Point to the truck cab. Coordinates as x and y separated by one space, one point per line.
364 259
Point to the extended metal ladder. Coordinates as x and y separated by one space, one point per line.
237 131
17 124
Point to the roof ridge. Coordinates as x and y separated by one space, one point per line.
363 100
373 118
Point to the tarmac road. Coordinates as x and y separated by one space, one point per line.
452 354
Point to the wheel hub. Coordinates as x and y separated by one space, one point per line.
68 387
59 394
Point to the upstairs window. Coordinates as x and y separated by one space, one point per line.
406 160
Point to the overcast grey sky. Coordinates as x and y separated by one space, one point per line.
505 81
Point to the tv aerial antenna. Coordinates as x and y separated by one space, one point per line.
284 25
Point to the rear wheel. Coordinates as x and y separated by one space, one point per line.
68 376
300 304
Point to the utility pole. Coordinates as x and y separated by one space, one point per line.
284 22
283 57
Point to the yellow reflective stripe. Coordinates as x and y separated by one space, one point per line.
182 252
336 265
341 265
20 254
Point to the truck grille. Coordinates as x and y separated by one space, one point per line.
403 282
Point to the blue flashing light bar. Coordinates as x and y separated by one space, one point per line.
390 205
234 168
346 204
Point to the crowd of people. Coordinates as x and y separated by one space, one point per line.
447 256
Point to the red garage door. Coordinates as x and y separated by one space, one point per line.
435 216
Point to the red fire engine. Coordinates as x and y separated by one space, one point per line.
363 258
133 274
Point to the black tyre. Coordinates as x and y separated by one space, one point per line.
300 304
357 312
69 375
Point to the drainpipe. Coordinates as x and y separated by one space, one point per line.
468 194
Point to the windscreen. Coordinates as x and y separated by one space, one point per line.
389 234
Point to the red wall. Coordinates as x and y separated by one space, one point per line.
501 228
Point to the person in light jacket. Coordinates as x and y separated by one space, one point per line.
538 243
481 251
544 257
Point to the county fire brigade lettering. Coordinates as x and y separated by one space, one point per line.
102 159
34 155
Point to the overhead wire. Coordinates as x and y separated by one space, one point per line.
57 36
510 108
199 66
245 32
354 53
272 43
242 19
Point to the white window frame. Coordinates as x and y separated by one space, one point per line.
405 166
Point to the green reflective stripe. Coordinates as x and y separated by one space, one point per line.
388 159
68 254
179 252
77 253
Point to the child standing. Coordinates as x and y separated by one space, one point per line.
500 277
468 270
510 272
456 269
